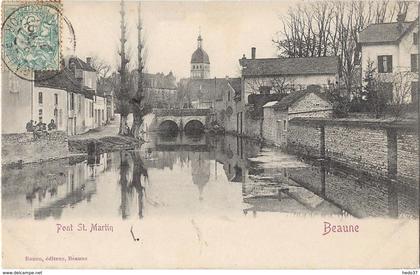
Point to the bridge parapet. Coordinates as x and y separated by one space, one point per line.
182 112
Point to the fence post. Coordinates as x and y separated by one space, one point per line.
392 152
322 141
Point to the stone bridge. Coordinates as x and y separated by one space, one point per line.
182 119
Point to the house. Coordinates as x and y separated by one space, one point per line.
306 103
270 79
393 50
56 97
90 112
106 89
68 97
232 106
285 75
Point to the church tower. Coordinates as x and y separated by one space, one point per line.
200 63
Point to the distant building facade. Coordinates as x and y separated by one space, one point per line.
160 90
392 48
106 89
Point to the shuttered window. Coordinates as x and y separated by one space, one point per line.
385 63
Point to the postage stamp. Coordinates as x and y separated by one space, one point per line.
31 38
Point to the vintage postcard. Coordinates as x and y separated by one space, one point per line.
200 134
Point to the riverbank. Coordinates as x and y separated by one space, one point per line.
21 149
103 144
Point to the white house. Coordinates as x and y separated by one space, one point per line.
50 103
265 75
393 50
68 97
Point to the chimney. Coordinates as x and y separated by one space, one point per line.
89 60
253 51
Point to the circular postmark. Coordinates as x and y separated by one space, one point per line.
31 40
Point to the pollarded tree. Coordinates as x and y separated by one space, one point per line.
139 106
123 93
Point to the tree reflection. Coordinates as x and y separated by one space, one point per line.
124 168
138 173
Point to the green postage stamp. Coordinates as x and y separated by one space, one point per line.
31 37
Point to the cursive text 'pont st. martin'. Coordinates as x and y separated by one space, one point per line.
82 227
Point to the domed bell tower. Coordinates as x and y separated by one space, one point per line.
200 62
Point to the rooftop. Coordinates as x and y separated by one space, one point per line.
289 66
236 85
384 32
200 56
80 64
204 89
294 97
63 80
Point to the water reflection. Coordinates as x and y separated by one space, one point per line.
192 175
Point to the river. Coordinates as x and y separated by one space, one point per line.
192 176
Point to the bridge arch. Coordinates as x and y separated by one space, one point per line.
168 126
194 126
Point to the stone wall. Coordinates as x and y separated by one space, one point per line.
303 139
23 147
407 154
251 127
353 193
358 144
273 130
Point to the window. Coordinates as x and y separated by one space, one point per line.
228 95
71 101
415 38
40 98
40 115
385 63
285 125
91 109
79 105
56 99
414 65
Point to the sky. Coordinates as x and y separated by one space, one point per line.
229 30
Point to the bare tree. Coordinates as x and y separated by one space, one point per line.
102 68
123 94
401 82
277 85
